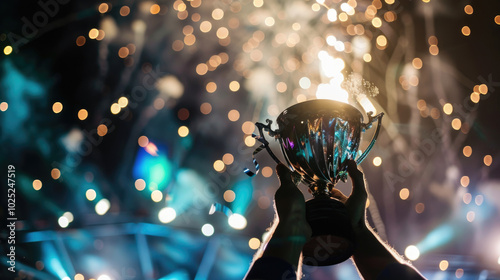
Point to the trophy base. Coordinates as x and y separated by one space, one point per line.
332 240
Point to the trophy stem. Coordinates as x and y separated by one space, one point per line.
332 238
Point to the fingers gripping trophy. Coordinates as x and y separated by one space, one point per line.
318 138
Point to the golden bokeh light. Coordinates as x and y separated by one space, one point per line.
249 141
156 196
183 114
124 11
205 108
93 33
248 127
229 196
467 151
103 8
217 14
155 9
102 130
434 50
123 52
189 40
90 194
466 30
4 106
55 173
80 41
404 193
267 172
483 89
376 22
205 26
57 107
468 9
488 160
219 165
7 50
234 86
456 123
475 97
465 181
443 265
115 108
233 115
183 131
254 243
177 45
211 87
140 184
37 184
419 208
222 33
448 108
143 141
228 158
497 19
83 114
377 161
159 103
417 63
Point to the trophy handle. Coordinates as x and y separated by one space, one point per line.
371 119
262 138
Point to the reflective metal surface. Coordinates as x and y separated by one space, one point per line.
318 137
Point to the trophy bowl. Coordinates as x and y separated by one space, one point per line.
318 138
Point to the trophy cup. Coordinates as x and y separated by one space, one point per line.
317 138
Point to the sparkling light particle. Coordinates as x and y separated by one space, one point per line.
468 9
115 108
123 101
80 41
417 63
205 108
79 276
412 252
466 31
471 215
377 161
207 230
124 11
93 33
467 198
103 277
249 141
167 215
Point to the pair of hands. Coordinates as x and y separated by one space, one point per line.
291 206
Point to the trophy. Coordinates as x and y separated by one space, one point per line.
317 138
